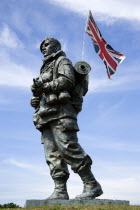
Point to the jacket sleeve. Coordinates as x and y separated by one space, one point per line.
65 77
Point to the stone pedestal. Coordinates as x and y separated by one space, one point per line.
72 202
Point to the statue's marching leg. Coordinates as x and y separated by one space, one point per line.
74 155
57 165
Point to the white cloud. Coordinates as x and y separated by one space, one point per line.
18 164
9 38
121 83
105 10
27 166
13 74
16 76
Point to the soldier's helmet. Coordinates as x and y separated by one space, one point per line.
55 44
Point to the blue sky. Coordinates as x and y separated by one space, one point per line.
109 122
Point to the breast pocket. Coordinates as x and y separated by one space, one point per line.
47 76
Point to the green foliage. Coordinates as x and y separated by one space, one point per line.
9 205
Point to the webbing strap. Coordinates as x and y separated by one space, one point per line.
55 70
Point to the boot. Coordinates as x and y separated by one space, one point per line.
60 190
92 188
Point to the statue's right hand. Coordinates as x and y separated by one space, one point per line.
35 102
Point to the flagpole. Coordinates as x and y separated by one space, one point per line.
83 47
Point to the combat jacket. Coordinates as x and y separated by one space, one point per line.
59 76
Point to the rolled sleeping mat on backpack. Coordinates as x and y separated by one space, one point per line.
82 67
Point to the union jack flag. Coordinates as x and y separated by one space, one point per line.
110 57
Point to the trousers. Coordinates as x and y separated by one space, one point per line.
61 147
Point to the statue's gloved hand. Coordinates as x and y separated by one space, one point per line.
44 88
35 102
37 91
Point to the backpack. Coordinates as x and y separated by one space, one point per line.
81 84
81 70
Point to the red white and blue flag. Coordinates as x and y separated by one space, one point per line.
110 57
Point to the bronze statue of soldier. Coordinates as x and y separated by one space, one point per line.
57 98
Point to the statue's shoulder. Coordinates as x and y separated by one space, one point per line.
64 61
65 67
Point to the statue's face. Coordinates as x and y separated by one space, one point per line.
48 48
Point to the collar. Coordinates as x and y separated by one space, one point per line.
51 56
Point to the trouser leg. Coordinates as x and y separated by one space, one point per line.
80 162
57 165
69 147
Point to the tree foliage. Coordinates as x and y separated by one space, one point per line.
9 205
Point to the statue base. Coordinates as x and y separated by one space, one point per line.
72 202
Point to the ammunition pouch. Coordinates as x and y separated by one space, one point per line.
48 107
77 104
51 99
64 97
